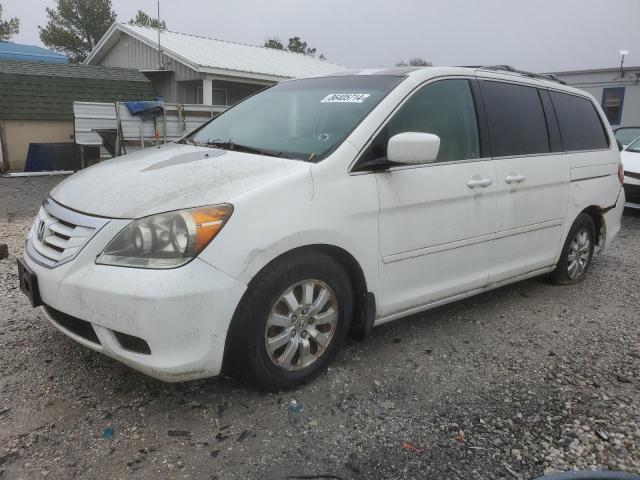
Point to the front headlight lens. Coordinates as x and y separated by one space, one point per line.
166 240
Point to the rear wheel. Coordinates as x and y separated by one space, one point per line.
291 322
577 252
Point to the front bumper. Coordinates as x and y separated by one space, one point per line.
182 314
632 191
612 221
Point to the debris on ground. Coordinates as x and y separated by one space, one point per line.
410 447
294 413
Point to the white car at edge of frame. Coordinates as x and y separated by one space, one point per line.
320 208
631 164
626 135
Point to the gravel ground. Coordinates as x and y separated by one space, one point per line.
525 379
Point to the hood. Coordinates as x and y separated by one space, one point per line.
166 178
630 161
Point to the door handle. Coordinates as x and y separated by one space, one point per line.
515 178
477 181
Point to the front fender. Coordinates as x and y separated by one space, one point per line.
342 211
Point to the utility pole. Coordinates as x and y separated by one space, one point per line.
160 63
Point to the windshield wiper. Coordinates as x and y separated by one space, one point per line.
229 145
190 141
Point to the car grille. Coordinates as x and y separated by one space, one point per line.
58 234
85 330
74 325
632 193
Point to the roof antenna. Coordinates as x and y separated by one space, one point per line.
160 65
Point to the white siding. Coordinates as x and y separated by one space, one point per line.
164 85
129 52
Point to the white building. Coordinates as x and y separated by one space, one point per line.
193 69
617 90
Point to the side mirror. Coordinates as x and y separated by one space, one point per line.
620 146
413 147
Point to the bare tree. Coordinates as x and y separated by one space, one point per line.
415 62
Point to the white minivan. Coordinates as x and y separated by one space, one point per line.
319 208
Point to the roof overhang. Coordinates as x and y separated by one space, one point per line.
597 70
112 35
107 41
221 72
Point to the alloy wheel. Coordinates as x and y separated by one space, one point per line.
579 254
301 325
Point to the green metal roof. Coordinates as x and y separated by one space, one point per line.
44 91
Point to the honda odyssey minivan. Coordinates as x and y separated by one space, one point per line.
320 208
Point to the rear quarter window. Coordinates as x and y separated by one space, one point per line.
580 124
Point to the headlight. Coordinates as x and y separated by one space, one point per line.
166 240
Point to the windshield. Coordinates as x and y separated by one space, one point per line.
627 135
634 147
300 119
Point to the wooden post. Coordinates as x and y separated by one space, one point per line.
120 147
183 119
4 156
141 134
164 127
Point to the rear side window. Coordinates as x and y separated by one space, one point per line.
516 119
580 125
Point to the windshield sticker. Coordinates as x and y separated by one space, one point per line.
345 98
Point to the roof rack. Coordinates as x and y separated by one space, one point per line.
508 68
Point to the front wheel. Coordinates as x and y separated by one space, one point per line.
291 322
577 252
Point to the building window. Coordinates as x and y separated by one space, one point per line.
219 96
612 102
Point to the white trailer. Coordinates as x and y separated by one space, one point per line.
94 121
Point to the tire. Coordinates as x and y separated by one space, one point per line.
566 272
262 315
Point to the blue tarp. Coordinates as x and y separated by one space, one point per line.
145 109
29 53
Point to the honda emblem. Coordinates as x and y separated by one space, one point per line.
40 231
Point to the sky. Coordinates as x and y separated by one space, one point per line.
535 35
